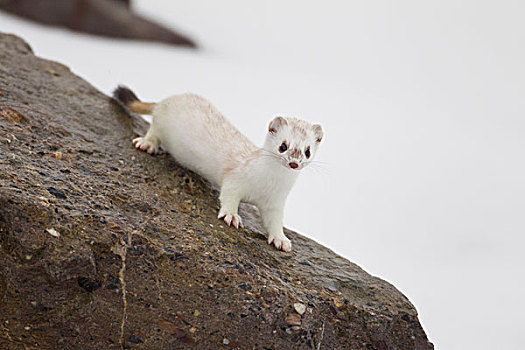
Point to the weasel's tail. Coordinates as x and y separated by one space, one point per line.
129 100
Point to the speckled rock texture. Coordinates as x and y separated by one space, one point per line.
106 247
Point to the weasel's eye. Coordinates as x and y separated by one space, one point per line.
307 152
283 147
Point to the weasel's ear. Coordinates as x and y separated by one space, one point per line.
318 132
276 124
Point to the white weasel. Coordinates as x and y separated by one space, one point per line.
204 141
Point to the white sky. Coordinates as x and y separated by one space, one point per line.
423 174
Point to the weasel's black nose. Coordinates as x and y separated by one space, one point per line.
293 165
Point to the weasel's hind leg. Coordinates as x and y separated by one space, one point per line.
149 143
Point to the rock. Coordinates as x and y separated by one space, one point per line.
293 320
100 17
339 301
53 232
88 284
171 328
299 308
137 254
245 286
135 339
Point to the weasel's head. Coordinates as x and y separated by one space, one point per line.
293 142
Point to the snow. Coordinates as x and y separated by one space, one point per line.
421 175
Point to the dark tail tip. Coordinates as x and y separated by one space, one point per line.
124 95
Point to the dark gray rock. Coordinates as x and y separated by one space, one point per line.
127 251
111 18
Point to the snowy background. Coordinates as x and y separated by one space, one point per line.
423 104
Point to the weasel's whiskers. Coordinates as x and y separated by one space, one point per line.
269 154
318 167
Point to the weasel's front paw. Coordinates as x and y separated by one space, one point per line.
146 146
230 219
281 243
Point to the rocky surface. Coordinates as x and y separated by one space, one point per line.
106 247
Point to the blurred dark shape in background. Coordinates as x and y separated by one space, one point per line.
112 18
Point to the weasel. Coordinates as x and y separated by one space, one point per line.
201 139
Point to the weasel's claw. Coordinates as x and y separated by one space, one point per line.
230 219
144 145
283 243
236 221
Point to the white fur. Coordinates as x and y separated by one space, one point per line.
204 141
